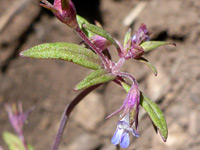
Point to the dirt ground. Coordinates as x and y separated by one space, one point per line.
48 84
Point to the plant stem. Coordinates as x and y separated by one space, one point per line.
21 136
124 74
118 65
67 112
97 51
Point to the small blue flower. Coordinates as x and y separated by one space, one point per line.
122 133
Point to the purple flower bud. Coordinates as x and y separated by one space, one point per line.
136 51
122 133
64 10
17 117
141 36
130 106
100 42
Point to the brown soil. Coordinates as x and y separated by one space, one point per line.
48 84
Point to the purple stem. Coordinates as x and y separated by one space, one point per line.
21 136
67 112
97 51
124 74
119 64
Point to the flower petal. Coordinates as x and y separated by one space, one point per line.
132 131
117 136
124 143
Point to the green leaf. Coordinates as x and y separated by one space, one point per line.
156 115
146 62
13 142
153 111
82 21
96 77
100 31
151 45
65 51
127 37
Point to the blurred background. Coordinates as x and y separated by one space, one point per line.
48 84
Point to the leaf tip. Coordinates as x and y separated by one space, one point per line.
164 137
21 54
75 89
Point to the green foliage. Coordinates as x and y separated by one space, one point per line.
100 31
13 142
151 66
151 45
65 51
153 111
82 21
96 77
127 37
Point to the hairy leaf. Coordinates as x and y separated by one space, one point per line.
152 67
96 77
82 21
156 115
65 51
100 31
13 142
153 111
151 45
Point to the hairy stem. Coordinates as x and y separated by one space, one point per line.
97 51
67 112
118 65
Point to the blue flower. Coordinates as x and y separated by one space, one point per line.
122 133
